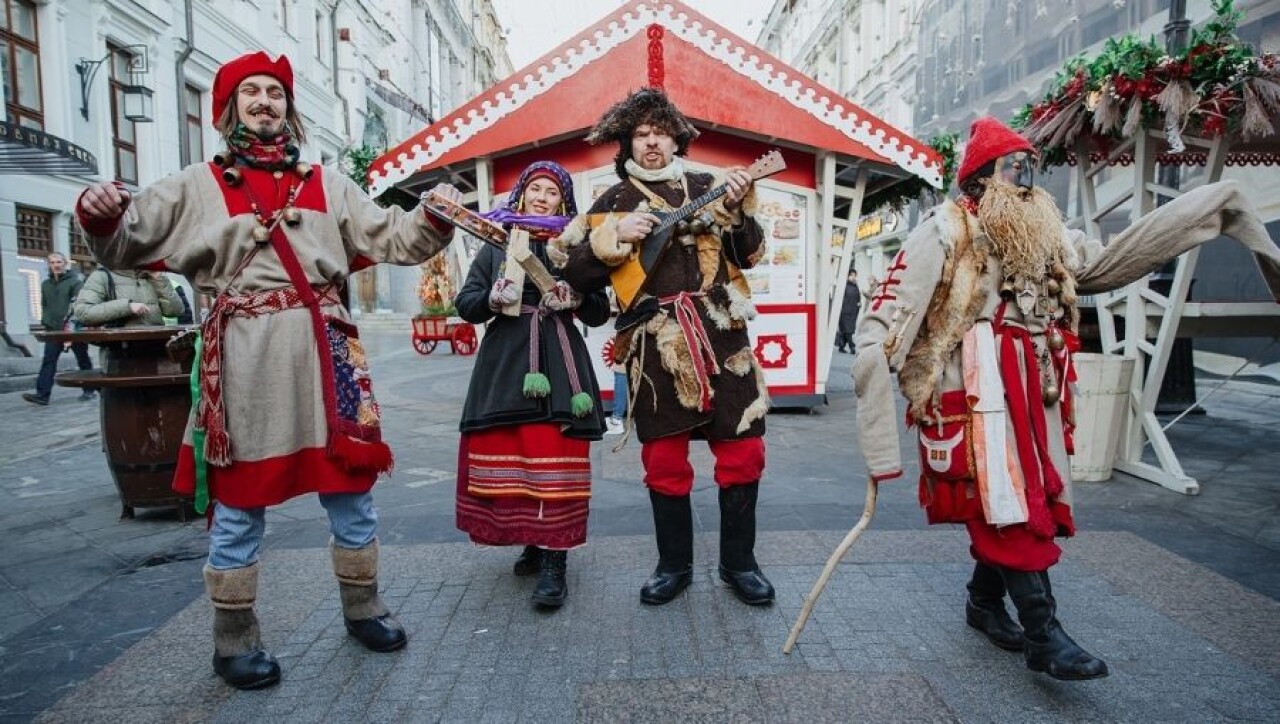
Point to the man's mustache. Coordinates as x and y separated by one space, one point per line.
254 110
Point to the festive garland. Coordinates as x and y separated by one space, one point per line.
904 192
1218 86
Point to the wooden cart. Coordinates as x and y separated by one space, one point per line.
430 331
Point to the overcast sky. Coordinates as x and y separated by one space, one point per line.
536 26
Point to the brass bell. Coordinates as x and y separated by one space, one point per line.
698 226
682 228
1050 393
292 216
1052 286
222 160
261 234
232 175
1006 289
304 170
1055 340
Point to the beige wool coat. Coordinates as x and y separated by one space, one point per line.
271 375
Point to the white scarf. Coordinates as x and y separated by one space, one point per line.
673 171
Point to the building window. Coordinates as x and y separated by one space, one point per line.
80 254
124 133
35 232
20 64
195 125
284 15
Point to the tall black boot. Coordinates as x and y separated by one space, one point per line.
529 561
673 528
238 656
738 566
1048 647
551 589
985 609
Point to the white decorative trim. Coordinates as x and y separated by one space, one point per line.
592 46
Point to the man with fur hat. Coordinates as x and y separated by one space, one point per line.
977 314
285 403
682 334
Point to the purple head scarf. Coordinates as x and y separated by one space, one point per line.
540 226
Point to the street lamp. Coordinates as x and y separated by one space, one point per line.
138 104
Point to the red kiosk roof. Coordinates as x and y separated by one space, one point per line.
715 77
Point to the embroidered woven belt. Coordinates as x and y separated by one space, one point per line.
211 413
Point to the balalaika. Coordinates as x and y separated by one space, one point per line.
629 278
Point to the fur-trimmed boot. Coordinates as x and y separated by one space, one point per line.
738 566
985 609
366 616
673 527
552 589
237 643
1048 648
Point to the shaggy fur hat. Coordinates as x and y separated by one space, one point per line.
647 105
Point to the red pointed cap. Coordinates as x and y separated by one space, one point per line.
989 139
233 72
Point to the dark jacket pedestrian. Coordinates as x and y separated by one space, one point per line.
56 295
849 313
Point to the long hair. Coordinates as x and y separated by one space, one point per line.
226 123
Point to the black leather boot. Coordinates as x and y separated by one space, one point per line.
551 589
673 528
1048 648
238 656
738 566
985 609
528 562
365 615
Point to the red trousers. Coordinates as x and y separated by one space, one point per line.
667 469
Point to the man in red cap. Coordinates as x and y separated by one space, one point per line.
285 402
977 314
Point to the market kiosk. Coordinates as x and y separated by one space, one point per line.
745 102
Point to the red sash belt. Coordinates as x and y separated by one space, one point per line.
211 413
695 336
1030 428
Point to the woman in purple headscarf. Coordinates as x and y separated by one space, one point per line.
524 466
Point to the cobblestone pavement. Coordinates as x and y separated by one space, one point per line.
106 619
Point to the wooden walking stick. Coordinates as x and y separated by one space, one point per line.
868 511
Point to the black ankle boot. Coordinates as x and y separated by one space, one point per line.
249 667
985 609
1048 647
673 528
529 561
738 566
238 656
551 589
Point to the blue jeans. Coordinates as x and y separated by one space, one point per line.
619 395
49 365
236 535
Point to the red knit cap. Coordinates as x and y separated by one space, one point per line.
989 139
234 72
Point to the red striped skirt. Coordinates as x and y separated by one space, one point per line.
524 485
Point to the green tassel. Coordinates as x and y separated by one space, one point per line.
582 404
536 384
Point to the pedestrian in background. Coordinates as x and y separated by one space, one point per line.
138 298
56 295
849 313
